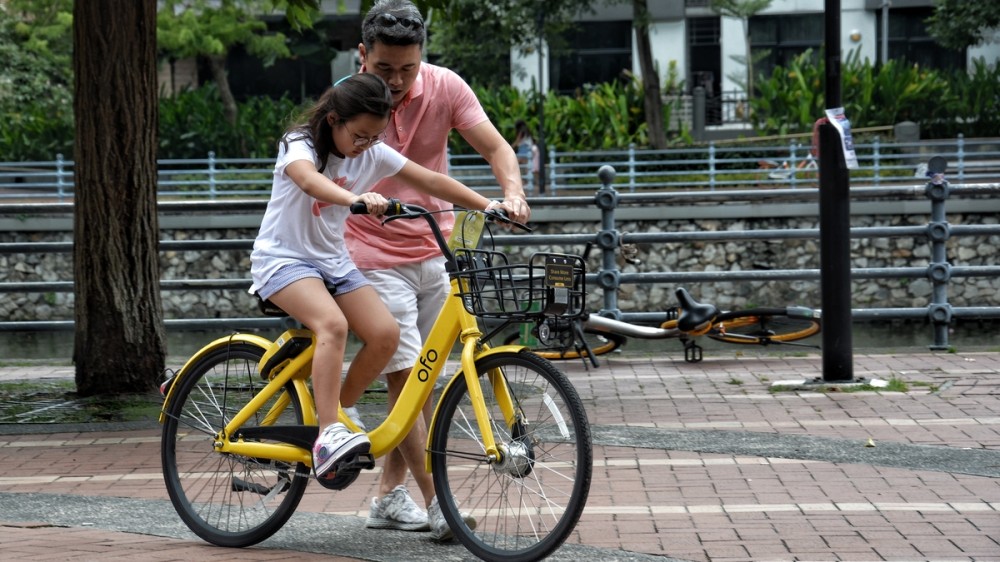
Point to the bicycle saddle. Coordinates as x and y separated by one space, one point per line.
693 313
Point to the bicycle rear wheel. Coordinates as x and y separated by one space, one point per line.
763 326
528 502
228 500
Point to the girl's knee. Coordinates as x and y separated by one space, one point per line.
389 336
332 328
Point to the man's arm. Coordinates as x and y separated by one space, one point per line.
489 143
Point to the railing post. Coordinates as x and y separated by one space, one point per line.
211 174
793 163
711 166
698 114
876 156
939 270
608 240
552 170
631 167
960 154
60 174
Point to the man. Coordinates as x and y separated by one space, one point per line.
401 259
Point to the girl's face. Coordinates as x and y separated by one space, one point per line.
358 134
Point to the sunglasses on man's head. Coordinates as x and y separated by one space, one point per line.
389 20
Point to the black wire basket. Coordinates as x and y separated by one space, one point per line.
550 284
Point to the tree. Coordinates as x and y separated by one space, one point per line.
652 102
35 81
743 10
210 29
120 344
509 25
960 24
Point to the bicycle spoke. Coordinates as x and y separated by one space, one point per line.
527 501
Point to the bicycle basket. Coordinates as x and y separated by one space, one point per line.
550 284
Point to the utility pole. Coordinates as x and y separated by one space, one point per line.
884 58
540 138
834 221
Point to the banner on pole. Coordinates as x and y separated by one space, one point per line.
840 122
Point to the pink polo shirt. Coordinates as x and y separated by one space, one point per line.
438 102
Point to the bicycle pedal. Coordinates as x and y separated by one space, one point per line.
347 471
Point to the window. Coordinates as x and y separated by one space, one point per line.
784 37
595 53
909 40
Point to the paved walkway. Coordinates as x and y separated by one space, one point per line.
693 462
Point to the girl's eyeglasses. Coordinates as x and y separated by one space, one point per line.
360 141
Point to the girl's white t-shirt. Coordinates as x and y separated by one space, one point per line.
297 227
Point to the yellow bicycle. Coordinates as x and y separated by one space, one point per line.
509 440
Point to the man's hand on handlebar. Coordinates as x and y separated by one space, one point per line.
510 212
517 209
499 212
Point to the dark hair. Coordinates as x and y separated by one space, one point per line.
355 95
521 129
393 22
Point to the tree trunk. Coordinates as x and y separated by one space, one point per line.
120 344
221 77
652 102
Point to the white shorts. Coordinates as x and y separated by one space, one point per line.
414 294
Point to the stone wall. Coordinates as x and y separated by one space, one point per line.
687 256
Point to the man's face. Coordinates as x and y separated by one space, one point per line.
398 65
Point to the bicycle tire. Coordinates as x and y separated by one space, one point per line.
227 500
527 504
764 326
600 343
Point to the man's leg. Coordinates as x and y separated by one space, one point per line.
409 453
403 291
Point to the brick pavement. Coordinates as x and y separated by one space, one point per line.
692 461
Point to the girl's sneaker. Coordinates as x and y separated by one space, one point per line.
336 443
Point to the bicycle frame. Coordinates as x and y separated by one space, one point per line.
454 323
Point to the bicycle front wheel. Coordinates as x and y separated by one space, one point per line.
228 500
528 501
763 326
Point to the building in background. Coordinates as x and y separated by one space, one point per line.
705 48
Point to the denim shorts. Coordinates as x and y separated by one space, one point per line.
291 273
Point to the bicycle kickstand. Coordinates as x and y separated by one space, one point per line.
692 351
583 345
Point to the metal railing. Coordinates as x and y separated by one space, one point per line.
940 271
717 165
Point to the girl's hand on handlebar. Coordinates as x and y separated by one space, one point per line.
374 203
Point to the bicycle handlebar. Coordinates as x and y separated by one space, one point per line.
399 210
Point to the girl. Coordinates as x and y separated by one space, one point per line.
300 263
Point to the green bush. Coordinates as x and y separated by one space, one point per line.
944 103
599 117
192 123
606 116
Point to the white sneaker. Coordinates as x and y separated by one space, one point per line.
439 525
397 510
334 444
355 416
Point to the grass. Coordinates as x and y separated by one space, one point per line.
894 384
